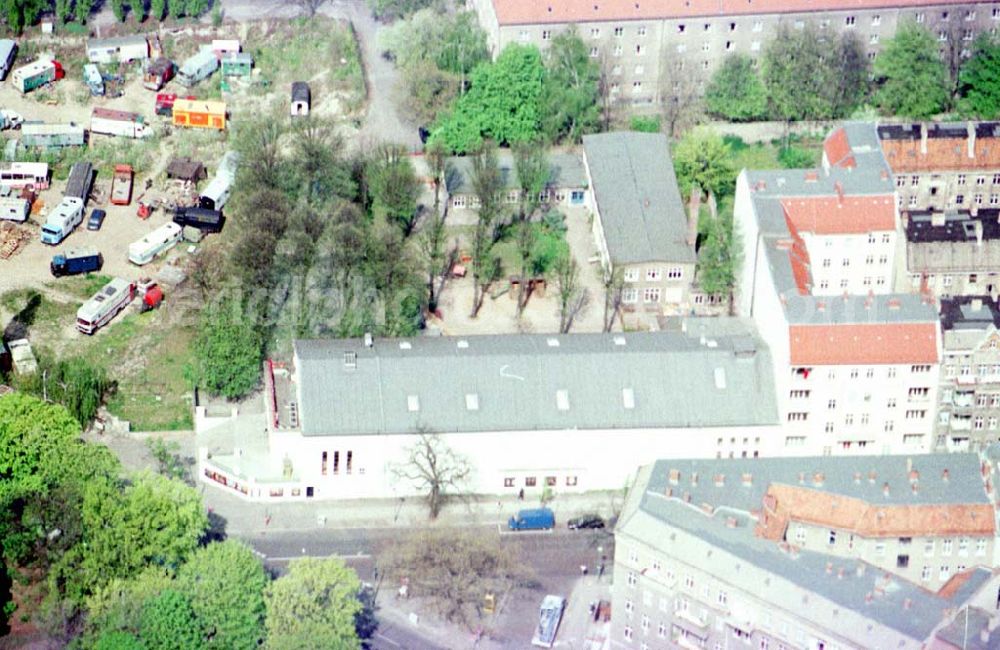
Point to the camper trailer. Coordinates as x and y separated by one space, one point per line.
52 136
119 49
197 68
36 74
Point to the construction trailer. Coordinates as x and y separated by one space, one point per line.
237 64
158 73
34 175
301 98
81 181
14 208
199 113
118 49
107 121
8 50
52 136
36 74
225 46
92 77
197 68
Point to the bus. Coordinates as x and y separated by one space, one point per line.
34 175
105 305
159 241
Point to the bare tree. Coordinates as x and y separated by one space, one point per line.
681 89
532 168
434 469
614 287
572 297
487 184
451 570
607 87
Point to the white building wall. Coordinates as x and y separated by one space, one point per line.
856 264
745 225
577 461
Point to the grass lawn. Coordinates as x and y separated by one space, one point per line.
144 353
766 155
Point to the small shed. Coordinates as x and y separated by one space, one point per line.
237 64
186 169
225 46
301 98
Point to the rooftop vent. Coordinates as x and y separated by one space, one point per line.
720 378
675 476
619 340
562 399
719 480
405 345
945 475
412 403
628 398
472 401
818 478
350 360
552 342
747 479
462 344
885 488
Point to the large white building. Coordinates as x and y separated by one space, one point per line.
856 365
568 412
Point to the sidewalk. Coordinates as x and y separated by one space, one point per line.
244 517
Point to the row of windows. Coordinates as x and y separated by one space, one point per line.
532 481
653 274
325 466
982 370
804 372
650 295
966 399
575 196
960 179
978 423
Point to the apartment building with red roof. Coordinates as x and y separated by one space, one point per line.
855 363
652 49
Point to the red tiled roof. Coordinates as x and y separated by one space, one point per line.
527 12
943 154
836 147
847 215
955 583
796 503
868 343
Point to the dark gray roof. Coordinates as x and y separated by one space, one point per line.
802 579
516 382
565 172
912 131
956 226
640 205
969 313
300 91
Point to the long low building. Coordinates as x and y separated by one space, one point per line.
566 412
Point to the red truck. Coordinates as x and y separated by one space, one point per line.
121 185
165 103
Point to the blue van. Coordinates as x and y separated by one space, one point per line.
533 519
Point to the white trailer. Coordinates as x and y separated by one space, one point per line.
25 174
14 209
105 304
121 48
215 195
198 67
155 243
106 121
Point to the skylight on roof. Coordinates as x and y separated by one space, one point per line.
462 344
472 401
552 342
562 399
628 398
720 378
619 340
412 403
405 345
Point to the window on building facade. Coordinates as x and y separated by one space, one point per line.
630 295
571 481
980 546
849 21
944 572
619 31
925 574
963 546
627 632
546 35
902 561
641 30
920 17
594 52
675 273
876 20
508 482
617 51
651 295
654 274
530 481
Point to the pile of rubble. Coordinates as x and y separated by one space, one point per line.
12 236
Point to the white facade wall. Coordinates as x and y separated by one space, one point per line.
856 264
745 224
577 461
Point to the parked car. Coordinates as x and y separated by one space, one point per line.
585 521
96 219
532 519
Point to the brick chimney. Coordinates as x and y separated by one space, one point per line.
923 138
694 206
970 128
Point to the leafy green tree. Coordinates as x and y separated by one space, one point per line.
162 519
158 8
118 641
168 622
74 383
228 351
63 10
393 185
176 8
851 81
979 80
531 167
502 103
194 8
82 9
225 584
118 606
20 13
118 9
702 160
461 47
718 258
313 605
911 78
736 92
571 94
644 124
487 183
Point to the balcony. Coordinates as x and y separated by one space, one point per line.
961 423
690 619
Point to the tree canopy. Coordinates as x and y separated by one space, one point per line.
228 350
702 159
736 91
979 80
313 606
911 77
571 94
501 104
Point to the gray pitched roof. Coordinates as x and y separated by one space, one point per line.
759 566
637 196
565 172
514 383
